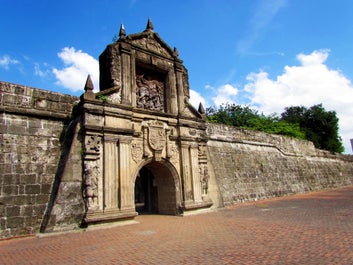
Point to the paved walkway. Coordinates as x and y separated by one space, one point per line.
315 228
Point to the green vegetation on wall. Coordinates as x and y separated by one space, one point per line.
314 124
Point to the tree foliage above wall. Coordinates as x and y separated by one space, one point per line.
314 124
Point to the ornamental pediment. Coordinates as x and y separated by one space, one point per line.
150 41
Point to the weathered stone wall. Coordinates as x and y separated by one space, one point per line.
32 127
251 165
41 163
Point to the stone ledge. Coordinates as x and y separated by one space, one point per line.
35 112
108 216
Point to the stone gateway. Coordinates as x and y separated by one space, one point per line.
141 136
138 146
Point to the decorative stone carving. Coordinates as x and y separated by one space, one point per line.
192 132
92 144
174 154
204 178
152 45
136 151
91 176
203 168
150 93
157 135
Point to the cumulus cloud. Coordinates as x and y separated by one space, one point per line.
77 65
225 94
196 99
310 83
6 61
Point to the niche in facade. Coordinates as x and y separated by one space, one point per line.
150 90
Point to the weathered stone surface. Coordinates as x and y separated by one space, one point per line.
253 165
67 161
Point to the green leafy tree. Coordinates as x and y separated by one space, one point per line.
248 118
314 124
320 126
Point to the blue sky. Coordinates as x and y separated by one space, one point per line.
269 54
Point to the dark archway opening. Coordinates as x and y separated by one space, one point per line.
146 192
156 191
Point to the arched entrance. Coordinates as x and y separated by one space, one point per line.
156 189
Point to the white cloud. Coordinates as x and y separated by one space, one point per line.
38 70
196 99
77 65
6 61
308 84
225 94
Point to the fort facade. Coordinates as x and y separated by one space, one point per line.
138 146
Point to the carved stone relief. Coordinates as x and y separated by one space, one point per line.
91 170
156 137
149 93
203 168
173 153
91 176
92 144
136 151
152 45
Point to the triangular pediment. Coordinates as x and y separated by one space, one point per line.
191 112
150 41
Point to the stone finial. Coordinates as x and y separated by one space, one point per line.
122 33
175 52
201 109
89 89
89 85
149 26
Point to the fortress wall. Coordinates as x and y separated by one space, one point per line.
41 163
32 126
251 165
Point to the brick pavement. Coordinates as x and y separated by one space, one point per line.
315 228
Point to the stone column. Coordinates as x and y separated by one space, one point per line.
111 173
126 73
173 104
126 186
186 172
133 78
195 173
180 88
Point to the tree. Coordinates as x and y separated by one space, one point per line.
248 118
320 126
314 124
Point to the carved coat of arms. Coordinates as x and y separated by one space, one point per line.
157 136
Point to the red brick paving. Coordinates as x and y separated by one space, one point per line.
315 228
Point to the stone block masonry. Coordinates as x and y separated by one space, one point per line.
32 122
251 165
41 172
